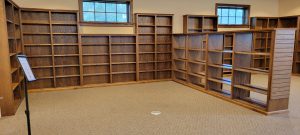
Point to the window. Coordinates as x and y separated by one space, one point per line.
106 11
233 15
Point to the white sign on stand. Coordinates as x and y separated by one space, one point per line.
26 68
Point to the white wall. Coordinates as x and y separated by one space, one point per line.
176 7
289 7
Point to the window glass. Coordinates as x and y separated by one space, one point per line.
232 15
88 6
88 16
105 11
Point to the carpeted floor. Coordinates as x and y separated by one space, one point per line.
125 110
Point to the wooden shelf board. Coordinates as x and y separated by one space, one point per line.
198 62
27 33
179 48
128 72
146 71
164 25
64 23
163 61
120 63
48 77
145 62
96 54
13 70
223 80
180 70
123 43
96 64
14 86
65 55
94 44
36 67
146 33
12 54
123 53
37 45
37 56
221 51
252 88
146 52
203 50
146 43
252 70
96 74
164 43
253 103
180 59
224 66
163 52
9 21
224 93
65 44
65 33
201 75
67 76
35 23
61 66
163 70
146 25
253 53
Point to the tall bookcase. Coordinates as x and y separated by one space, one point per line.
269 97
200 23
261 23
154 34
12 78
51 42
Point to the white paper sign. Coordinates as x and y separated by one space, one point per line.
26 68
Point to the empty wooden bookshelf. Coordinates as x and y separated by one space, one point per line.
12 78
200 23
269 97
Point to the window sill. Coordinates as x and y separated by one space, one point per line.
106 24
234 26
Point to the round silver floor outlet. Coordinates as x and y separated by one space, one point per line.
155 113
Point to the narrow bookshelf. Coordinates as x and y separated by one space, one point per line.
200 23
262 44
228 45
12 83
154 35
196 59
217 82
123 58
96 59
180 57
263 96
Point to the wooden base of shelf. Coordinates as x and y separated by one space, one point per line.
94 85
212 93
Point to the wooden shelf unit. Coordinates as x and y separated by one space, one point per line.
200 23
260 23
269 97
51 42
12 82
282 22
154 35
228 46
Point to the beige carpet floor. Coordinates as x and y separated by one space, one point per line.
125 110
